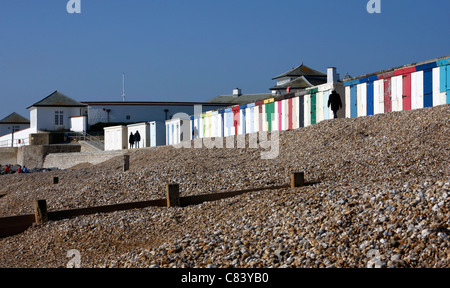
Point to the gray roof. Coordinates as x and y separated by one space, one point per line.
302 82
302 77
14 118
301 70
242 99
57 99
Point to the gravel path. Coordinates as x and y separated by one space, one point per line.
377 196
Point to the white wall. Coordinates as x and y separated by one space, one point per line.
362 99
20 138
397 93
128 113
116 138
378 96
43 118
347 100
144 132
416 90
33 118
296 112
78 124
173 131
8 128
438 97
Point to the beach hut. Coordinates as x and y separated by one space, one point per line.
378 96
312 101
116 138
250 118
236 119
290 111
173 131
269 119
152 133
351 98
215 123
299 111
406 86
242 127
221 123
195 126
444 78
228 122
259 116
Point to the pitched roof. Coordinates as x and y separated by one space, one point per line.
14 118
301 82
57 99
301 70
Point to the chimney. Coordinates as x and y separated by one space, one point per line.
332 76
237 92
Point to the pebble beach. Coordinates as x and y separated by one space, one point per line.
376 195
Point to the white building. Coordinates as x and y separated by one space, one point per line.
54 112
178 130
13 123
143 111
152 133
116 138
13 130
299 78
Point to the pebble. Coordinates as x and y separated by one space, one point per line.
377 201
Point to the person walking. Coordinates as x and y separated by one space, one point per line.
335 102
137 138
131 140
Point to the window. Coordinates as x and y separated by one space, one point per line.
14 128
59 118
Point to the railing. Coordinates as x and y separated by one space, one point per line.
95 141
15 143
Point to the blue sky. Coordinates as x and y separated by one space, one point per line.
179 50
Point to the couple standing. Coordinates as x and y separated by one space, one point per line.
136 138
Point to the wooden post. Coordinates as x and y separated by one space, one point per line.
173 195
126 163
297 179
55 180
40 208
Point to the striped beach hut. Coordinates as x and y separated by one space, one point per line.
403 88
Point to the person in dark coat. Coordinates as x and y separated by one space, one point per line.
131 140
137 138
335 102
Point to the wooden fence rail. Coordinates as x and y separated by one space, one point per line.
17 224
